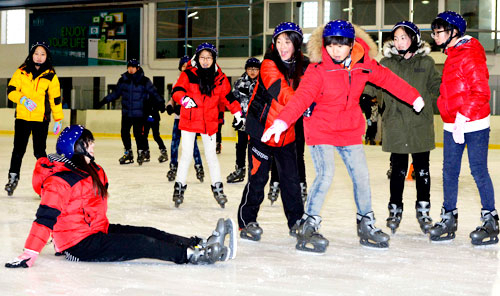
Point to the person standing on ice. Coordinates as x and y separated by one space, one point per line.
35 89
199 90
280 75
73 206
465 110
406 132
341 65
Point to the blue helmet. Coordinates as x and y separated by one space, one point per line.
339 28
183 60
410 26
454 19
66 142
252 62
287 27
207 46
133 63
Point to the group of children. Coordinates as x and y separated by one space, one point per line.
290 86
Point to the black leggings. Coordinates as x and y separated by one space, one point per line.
22 131
124 242
399 164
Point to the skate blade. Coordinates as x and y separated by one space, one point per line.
233 242
442 239
310 253
374 246
249 237
309 248
492 241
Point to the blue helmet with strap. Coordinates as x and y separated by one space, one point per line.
410 26
183 60
66 142
252 62
207 46
287 27
339 28
454 19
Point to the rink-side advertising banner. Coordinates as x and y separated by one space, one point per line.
89 37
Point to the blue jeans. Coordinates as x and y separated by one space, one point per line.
477 150
355 160
174 146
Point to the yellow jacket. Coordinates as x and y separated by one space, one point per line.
44 90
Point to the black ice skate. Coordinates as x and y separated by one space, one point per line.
424 220
163 156
303 191
200 174
274 192
395 216
219 195
489 229
128 157
218 148
445 229
225 228
178 196
147 156
369 235
172 173
12 184
237 176
141 157
252 232
308 237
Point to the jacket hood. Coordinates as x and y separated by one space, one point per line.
315 43
47 166
390 50
136 77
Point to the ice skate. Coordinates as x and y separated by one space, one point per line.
218 148
141 156
225 228
308 237
178 196
147 156
200 174
395 216
369 235
163 156
252 232
303 191
172 173
274 192
237 176
128 157
424 220
447 226
219 195
489 229
12 184
295 228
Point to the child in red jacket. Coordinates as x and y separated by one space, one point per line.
73 210
329 93
465 110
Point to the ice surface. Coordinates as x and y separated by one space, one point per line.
142 195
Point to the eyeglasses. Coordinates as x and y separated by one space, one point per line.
253 69
435 34
206 58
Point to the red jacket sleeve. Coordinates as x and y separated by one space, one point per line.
385 78
476 73
180 88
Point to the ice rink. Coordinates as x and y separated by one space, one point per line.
141 195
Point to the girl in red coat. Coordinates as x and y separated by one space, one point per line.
200 90
330 91
465 110
73 209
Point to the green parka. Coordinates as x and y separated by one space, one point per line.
403 130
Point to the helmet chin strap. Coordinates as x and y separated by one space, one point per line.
444 45
348 57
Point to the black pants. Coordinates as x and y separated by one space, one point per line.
371 131
399 164
300 144
155 127
125 242
241 149
138 124
22 131
260 159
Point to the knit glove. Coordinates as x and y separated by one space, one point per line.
28 103
57 127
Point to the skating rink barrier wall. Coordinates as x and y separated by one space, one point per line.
107 123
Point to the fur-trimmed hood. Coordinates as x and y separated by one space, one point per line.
315 43
390 50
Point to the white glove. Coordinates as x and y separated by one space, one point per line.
187 102
239 121
458 128
418 104
278 127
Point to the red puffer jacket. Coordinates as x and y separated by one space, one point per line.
336 118
204 118
69 208
464 86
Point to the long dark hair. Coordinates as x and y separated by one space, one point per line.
91 168
206 77
296 70
29 64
